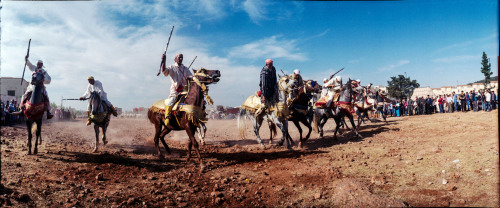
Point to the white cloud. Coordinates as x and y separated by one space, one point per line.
272 47
75 40
393 66
256 9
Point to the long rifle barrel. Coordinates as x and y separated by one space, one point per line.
165 52
192 62
336 73
26 62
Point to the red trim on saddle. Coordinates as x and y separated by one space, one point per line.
34 111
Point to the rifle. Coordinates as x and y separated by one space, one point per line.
165 52
26 62
336 73
192 62
74 99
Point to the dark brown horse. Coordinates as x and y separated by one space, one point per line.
299 111
35 106
189 115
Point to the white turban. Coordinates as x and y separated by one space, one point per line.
296 71
39 62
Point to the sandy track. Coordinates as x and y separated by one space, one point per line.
436 160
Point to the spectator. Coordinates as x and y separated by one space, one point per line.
462 101
440 104
494 99
455 103
487 99
474 100
467 101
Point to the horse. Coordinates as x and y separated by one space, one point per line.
364 104
100 116
188 115
35 106
343 107
300 110
275 115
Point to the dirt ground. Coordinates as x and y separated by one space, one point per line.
433 160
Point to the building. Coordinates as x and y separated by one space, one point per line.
445 90
11 88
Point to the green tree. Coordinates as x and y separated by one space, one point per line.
53 105
486 70
401 87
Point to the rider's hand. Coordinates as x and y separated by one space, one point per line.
163 57
26 57
263 99
82 98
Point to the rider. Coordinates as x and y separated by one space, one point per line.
334 86
179 75
29 90
295 79
96 86
268 86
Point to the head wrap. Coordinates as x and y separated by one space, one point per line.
269 61
296 71
91 77
325 79
176 59
39 62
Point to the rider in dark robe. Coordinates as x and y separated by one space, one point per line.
268 86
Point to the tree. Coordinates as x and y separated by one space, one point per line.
486 70
53 105
401 87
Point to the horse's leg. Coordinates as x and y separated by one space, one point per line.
338 122
355 129
162 138
257 122
201 133
30 135
283 125
296 123
158 128
270 124
322 123
308 125
104 141
96 129
39 127
38 135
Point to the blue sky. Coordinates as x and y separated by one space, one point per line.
438 43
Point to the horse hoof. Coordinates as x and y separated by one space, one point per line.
95 151
290 148
104 142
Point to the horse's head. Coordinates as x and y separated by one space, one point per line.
207 76
37 78
95 103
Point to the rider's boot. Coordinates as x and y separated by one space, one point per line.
168 108
260 110
49 115
88 116
114 111
21 111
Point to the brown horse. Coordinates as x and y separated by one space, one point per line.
35 106
188 116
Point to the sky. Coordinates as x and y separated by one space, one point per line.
120 43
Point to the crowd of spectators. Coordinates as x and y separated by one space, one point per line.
483 100
10 106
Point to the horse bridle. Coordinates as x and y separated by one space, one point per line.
202 85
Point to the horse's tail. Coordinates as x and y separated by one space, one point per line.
151 115
241 122
34 127
315 119
272 127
